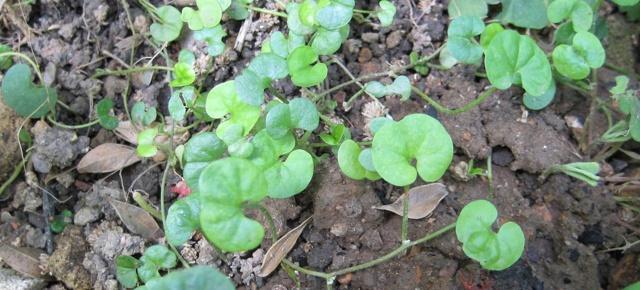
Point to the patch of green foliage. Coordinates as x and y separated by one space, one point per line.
629 104
103 110
23 96
494 251
183 72
170 26
401 86
5 61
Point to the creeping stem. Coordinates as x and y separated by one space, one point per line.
462 109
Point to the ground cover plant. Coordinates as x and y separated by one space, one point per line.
237 144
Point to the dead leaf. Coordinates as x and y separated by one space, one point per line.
23 260
127 132
422 200
137 220
107 157
280 249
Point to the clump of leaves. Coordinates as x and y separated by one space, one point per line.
183 72
401 86
61 221
223 102
170 25
494 251
299 113
262 70
337 134
154 259
355 162
23 96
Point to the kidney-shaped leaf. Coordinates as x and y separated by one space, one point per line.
226 186
494 251
578 11
27 99
335 14
349 161
290 177
416 139
462 44
223 100
183 218
512 58
170 27
304 69
197 277
298 113
525 13
201 150
385 13
577 60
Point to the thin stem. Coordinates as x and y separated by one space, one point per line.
73 127
404 233
266 11
462 109
128 71
363 11
137 197
14 175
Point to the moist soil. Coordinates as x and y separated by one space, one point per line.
569 226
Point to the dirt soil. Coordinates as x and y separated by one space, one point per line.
568 225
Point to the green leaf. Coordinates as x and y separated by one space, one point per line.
512 58
176 107
227 185
585 171
27 99
277 44
564 34
199 151
578 11
155 258
622 83
335 14
376 124
416 139
142 115
446 59
237 10
223 100
183 72
338 133
241 149
386 12
269 65
462 44
298 113
525 13
459 8
420 68
376 89
170 27
489 33
327 42
196 277
183 218
208 15
103 109
304 67
294 22
539 102
250 87
146 144
267 149
626 2
577 60
349 162
401 86
5 61
126 267
494 251
213 38
288 178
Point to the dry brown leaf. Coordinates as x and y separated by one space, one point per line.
137 220
107 157
23 260
127 132
280 249
422 200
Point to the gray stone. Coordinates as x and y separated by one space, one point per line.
12 280
86 215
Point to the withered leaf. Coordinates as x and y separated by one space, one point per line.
107 157
280 249
23 260
422 200
137 220
127 132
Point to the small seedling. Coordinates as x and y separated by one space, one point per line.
299 113
494 251
143 115
585 171
420 68
355 162
304 67
208 15
184 74
401 86
103 109
223 101
146 142
576 61
385 13
629 104
337 134
61 221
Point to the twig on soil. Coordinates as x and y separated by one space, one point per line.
266 11
72 127
123 72
462 109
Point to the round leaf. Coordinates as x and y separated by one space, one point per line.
459 8
213 38
269 65
578 11
290 177
27 99
170 27
208 15
461 44
416 137
386 12
198 153
348 155
294 22
304 70
250 87
539 102
197 277
336 14
160 256
103 109
223 100
489 33
304 114
577 60
327 42
226 185
126 271
525 13
183 218
512 58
